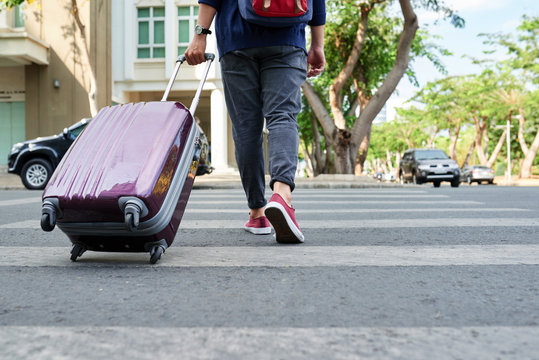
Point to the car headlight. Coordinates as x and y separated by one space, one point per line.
16 147
423 167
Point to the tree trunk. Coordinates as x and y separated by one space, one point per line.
398 165
521 139
362 151
453 146
497 149
92 94
361 129
343 161
480 126
469 154
430 141
526 167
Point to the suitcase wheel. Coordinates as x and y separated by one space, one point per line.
48 218
131 221
76 251
156 253
132 217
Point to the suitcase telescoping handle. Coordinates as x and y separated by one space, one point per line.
179 61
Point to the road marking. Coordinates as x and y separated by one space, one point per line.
361 211
339 224
317 195
339 202
335 224
99 342
285 256
300 191
26 224
22 201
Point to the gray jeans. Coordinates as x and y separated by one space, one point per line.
264 83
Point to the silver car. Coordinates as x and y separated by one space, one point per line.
477 173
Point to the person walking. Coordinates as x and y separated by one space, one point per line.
263 69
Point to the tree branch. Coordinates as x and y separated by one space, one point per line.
362 126
328 126
335 89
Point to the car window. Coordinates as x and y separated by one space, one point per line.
430 155
74 132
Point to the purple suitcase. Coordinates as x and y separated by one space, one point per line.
124 183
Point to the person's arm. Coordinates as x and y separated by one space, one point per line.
196 49
316 59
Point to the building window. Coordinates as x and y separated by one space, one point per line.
18 16
187 18
151 32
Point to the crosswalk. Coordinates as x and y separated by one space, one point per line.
384 274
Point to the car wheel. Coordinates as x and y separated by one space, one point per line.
35 174
436 184
455 183
491 182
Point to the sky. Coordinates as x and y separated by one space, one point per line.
481 16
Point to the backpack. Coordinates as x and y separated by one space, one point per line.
276 13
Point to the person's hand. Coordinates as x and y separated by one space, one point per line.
316 61
195 52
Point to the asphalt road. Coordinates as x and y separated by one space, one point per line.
404 273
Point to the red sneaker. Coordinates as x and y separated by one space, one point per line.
258 226
283 220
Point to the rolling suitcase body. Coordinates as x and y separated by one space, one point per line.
125 181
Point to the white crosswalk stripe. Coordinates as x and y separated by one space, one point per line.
469 342
32 200
339 224
299 256
357 202
369 210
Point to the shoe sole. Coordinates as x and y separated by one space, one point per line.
258 231
283 225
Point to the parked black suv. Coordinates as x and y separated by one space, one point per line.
428 165
35 160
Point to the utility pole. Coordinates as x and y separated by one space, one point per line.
508 137
509 150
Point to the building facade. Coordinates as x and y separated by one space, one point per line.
44 69
133 46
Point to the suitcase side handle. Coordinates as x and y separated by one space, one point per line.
179 61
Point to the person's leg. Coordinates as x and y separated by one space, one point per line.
283 71
240 76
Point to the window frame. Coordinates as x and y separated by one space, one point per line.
151 45
192 18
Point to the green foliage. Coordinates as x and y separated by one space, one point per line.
504 87
11 3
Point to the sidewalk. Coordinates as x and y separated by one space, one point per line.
228 181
